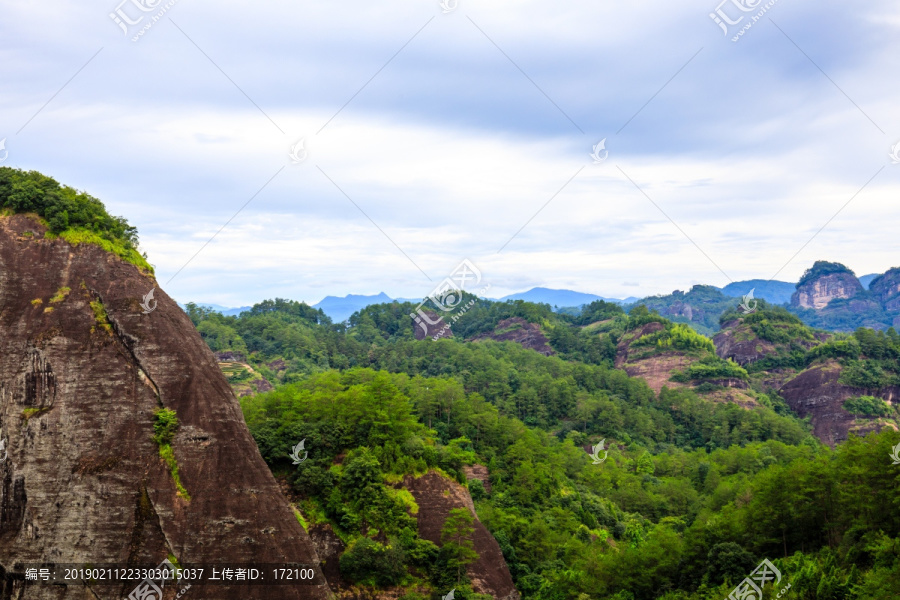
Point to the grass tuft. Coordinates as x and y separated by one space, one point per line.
83 236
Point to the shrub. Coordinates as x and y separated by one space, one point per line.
370 563
165 426
869 406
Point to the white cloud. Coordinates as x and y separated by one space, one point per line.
451 150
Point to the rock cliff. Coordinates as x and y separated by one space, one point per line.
817 393
517 329
82 372
823 284
436 497
886 289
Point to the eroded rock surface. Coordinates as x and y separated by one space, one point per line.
818 292
516 329
436 497
82 371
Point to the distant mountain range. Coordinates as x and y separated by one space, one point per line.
562 298
228 312
341 308
774 292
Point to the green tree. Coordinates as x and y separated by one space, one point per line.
456 540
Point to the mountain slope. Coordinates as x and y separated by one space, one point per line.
82 374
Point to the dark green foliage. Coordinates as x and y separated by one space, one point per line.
61 206
456 541
598 310
368 562
821 268
641 315
476 489
707 304
728 563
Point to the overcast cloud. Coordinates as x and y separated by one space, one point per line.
442 151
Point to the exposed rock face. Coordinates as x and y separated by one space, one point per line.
479 472
818 292
84 481
739 343
684 309
817 392
436 497
432 324
886 289
517 329
655 370
329 547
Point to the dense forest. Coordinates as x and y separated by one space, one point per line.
693 496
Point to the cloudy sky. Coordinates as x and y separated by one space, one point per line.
430 137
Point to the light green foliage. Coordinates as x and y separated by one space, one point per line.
100 316
117 247
676 337
60 295
164 428
165 425
868 406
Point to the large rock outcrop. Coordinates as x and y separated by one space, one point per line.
82 371
817 393
436 497
518 330
886 289
817 290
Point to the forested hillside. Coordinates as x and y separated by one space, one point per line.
694 492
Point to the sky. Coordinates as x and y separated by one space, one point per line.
303 149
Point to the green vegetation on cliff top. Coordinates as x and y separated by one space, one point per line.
821 268
75 216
